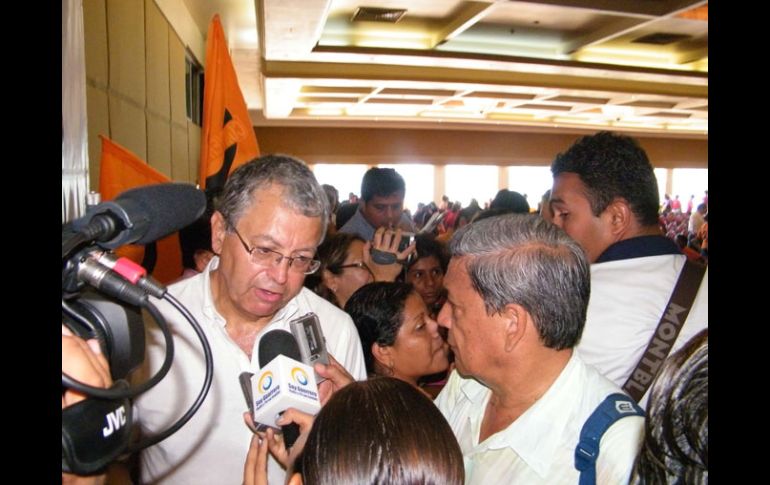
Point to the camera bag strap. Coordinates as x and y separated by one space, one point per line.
667 331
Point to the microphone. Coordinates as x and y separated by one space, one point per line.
142 215
282 382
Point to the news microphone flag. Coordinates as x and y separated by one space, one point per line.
283 383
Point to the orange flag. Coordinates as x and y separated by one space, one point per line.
122 170
228 139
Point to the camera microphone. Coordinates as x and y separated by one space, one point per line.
142 215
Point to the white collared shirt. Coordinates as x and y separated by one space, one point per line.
212 446
628 297
539 446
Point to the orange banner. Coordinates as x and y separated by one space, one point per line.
122 170
228 140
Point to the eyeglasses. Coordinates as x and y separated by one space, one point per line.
360 265
268 257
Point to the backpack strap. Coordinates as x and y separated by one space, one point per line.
614 407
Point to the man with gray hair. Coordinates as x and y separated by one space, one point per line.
270 219
518 290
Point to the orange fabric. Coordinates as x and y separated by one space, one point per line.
228 140
122 170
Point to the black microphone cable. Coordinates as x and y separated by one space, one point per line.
209 358
120 389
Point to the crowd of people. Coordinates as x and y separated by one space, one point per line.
519 323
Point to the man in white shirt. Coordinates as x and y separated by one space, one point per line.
270 219
518 289
605 196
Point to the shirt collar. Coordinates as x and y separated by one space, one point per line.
639 247
537 434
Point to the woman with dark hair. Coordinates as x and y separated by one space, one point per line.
426 272
342 269
675 447
398 336
371 432
347 265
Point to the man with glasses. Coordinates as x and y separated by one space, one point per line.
270 219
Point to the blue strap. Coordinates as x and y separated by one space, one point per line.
614 407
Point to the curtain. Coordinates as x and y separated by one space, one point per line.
74 143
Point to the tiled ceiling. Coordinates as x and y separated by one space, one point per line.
630 65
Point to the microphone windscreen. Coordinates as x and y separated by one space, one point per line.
168 207
275 343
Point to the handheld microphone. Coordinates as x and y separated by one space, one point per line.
142 215
282 382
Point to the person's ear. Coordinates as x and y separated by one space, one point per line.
620 216
383 355
515 318
329 280
218 232
296 479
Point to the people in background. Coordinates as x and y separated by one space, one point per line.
605 196
271 218
426 271
518 289
195 242
378 431
544 209
347 265
334 202
381 205
695 223
398 336
676 436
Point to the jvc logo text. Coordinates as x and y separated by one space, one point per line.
115 420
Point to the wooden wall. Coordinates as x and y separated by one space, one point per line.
135 87
441 147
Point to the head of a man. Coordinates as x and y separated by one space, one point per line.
604 191
507 272
270 220
382 196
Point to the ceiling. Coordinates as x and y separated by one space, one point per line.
565 65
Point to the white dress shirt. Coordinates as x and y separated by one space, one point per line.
539 446
212 446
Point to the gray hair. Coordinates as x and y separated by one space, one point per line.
525 260
301 190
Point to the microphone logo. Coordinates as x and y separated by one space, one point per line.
265 381
298 375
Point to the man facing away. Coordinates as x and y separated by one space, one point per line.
270 219
381 205
518 289
605 196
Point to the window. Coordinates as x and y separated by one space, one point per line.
689 181
661 174
193 90
466 182
345 178
531 182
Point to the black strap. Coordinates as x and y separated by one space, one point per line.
614 407
667 331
